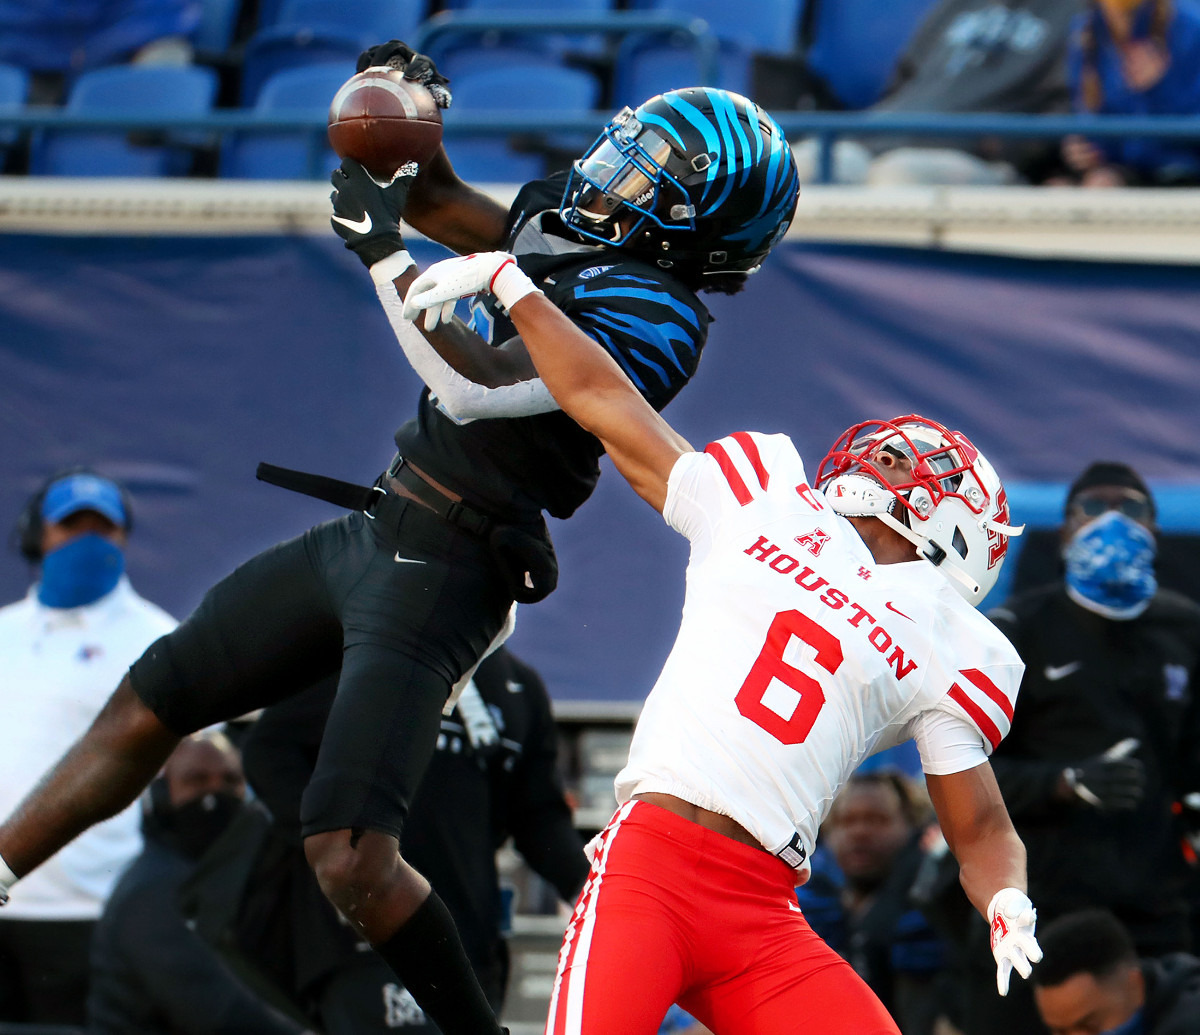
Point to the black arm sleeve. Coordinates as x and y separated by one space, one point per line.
538 814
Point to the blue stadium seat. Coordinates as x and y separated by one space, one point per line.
146 90
214 35
459 53
526 89
856 43
584 45
372 20
772 26
268 12
272 50
526 6
491 160
279 155
652 63
14 89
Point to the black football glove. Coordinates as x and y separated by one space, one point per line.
366 213
418 67
1111 784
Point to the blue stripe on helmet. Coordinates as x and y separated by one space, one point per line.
727 160
648 118
706 129
756 129
782 178
723 105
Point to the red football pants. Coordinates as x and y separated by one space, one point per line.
674 912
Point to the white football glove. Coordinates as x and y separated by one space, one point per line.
436 291
1014 946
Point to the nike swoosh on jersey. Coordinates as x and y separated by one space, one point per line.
513 687
794 908
361 226
888 604
406 560
1057 672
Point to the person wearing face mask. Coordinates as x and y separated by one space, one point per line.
61 648
151 972
1107 735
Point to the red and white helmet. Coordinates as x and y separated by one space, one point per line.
954 509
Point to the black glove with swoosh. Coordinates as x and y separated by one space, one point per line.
366 213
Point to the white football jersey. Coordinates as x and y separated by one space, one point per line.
798 656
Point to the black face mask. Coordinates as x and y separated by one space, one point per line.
195 825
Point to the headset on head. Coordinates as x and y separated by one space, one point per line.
27 535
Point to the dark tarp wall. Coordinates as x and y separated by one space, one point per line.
177 364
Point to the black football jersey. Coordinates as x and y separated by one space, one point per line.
648 321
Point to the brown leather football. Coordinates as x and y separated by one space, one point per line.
382 120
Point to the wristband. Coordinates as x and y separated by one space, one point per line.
7 880
510 284
388 269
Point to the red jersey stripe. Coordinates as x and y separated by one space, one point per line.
991 689
744 440
740 492
977 714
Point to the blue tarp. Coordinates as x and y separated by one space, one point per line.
179 363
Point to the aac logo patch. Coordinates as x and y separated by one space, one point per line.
593 271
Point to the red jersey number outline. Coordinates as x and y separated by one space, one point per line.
770 665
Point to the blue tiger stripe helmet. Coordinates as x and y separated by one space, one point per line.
707 172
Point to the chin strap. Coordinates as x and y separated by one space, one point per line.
933 553
859 495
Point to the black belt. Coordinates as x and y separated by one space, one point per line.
368 498
458 513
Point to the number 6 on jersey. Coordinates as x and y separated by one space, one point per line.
770 665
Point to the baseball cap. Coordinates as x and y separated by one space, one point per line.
78 492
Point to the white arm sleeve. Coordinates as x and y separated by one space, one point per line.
948 743
461 399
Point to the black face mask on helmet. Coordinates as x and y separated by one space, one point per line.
194 826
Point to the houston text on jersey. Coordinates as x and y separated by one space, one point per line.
835 599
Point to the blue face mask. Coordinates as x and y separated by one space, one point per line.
1133 1026
1110 566
81 571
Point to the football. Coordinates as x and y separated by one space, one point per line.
382 120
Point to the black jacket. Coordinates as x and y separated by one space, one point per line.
1089 683
469 804
151 975
1172 995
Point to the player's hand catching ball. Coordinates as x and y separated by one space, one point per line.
436 290
418 67
1014 946
366 213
